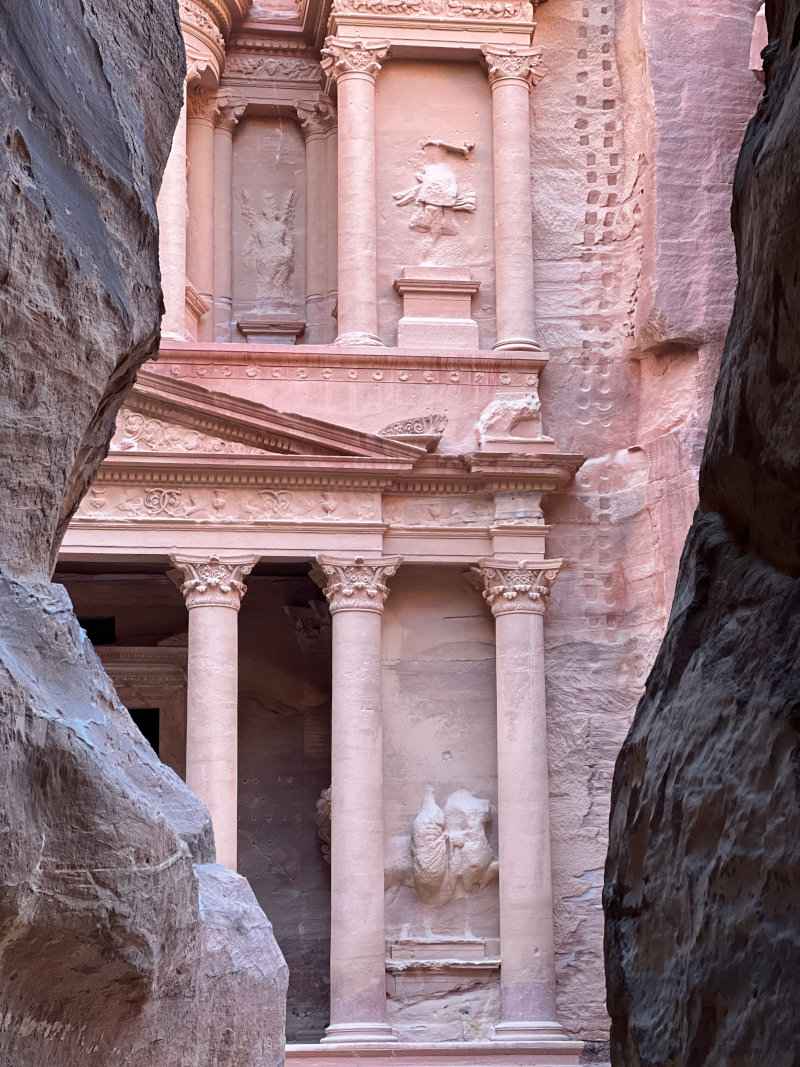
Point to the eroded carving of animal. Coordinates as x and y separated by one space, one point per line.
506 413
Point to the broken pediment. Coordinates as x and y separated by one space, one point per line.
168 417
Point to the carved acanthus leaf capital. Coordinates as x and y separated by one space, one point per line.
316 120
228 117
212 581
522 586
354 583
341 57
519 64
202 104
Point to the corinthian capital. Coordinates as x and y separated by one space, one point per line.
354 583
228 117
519 64
522 586
210 581
202 104
316 120
341 57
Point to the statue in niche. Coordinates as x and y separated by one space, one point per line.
447 855
270 246
437 194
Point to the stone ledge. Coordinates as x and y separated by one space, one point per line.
443 1054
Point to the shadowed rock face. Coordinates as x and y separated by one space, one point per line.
121 942
702 894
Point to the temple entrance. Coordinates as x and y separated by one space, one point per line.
138 623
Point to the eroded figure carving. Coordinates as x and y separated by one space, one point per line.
447 855
437 193
270 246
505 414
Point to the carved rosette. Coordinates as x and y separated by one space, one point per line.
353 57
354 583
316 120
523 586
515 64
212 582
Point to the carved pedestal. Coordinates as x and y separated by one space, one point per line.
437 308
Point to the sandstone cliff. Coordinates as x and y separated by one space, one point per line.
121 942
702 898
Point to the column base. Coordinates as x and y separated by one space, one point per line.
356 337
551 1032
517 344
358 1033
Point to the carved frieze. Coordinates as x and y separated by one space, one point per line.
212 581
272 68
105 503
523 64
523 586
434 511
135 432
354 583
341 57
461 10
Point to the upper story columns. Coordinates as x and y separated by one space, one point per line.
512 72
354 65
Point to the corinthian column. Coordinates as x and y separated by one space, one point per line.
355 65
227 120
356 591
512 71
518 593
213 589
316 123
202 106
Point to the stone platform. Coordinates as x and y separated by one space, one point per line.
439 1054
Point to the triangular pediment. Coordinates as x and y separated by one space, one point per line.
165 417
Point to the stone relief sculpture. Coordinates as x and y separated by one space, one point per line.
437 194
446 856
505 414
270 246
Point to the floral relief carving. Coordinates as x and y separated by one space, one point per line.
316 120
523 586
212 582
356 583
481 10
202 104
278 68
135 432
353 57
438 511
237 506
520 63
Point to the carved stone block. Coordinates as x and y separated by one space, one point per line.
437 307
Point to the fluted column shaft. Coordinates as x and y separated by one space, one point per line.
356 590
227 120
355 66
213 589
172 234
511 72
517 595
200 244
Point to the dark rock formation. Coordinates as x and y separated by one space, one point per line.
702 893
121 942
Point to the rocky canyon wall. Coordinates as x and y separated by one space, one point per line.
120 939
701 893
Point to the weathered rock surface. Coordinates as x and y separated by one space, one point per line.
121 942
702 893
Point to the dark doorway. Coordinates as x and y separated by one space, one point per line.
147 719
